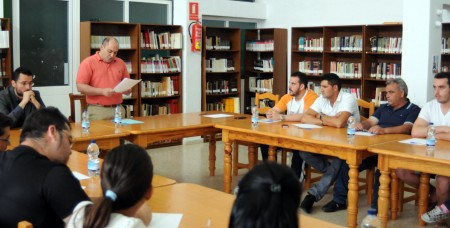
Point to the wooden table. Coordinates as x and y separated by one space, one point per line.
175 126
78 162
393 155
106 138
195 202
327 141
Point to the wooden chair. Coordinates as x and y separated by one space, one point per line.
24 224
83 104
260 100
367 183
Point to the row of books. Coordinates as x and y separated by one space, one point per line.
355 91
4 39
168 86
171 64
164 40
445 45
129 110
386 44
259 45
124 41
314 86
230 104
264 65
445 69
311 67
346 70
171 107
347 43
310 44
2 66
217 43
221 86
219 65
385 70
260 85
129 66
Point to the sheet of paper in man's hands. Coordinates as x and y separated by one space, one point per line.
126 84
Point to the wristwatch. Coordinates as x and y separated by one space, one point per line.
283 117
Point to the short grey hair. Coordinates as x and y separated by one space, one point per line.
400 83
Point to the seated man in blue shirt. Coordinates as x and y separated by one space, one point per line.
395 117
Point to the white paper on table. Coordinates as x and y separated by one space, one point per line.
126 84
415 141
217 115
268 121
364 133
80 176
307 126
166 220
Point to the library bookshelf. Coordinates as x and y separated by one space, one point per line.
5 53
265 63
91 36
363 56
221 76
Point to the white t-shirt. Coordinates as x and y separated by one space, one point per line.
115 221
345 102
432 113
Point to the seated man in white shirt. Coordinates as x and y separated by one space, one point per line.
332 108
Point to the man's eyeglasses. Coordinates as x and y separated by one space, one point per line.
26 83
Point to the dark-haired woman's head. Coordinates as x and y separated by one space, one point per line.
126 178
268 196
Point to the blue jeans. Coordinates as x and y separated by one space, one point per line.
340 190
330 170
296 162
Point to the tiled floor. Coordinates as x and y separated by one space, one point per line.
189 164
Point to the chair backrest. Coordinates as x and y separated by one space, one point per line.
366 105
24 224
261 100
83 104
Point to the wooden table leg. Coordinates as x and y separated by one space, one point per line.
394 195
227 162
212 154
424 188
352 208
383 195
272 153
251 155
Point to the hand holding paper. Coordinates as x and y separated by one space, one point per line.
126 84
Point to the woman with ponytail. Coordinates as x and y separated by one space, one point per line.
267 196
126 177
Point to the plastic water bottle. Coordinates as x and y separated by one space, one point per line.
351 122
93 162
118 116
255 116
371 220
431 140
85 123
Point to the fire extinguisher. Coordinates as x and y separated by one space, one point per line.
196 36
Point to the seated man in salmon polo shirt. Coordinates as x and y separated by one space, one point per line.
97 76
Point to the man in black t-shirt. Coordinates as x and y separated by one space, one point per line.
35 183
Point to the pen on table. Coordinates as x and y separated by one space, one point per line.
208 224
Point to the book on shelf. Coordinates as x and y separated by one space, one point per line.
385 44
168 86
259 45
356 92
384 70
311 67
217 43
231 104
129 110
445 45
221 86
264 65
219 65
156 64
129 66
3 66
4 39
314 86
124 41
310 44
171 107
346 70
261 85
347 43
164 40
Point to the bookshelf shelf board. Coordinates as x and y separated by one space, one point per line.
221 94
307 52
314 75
377 53
212 50
228 72
161 49
375 79
159 97
169 73
260 51
343 53
259 72
121 49
351 79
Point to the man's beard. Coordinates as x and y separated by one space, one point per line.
19 93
